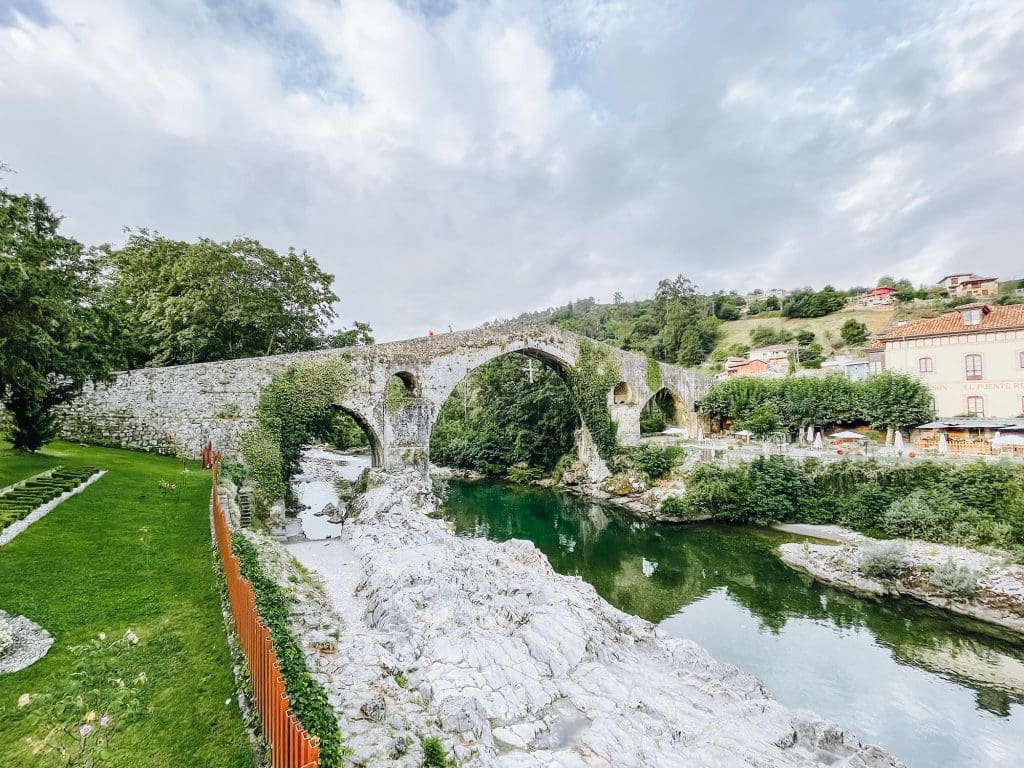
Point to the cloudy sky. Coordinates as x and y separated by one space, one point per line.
453 161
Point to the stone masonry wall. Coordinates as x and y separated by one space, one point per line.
177 409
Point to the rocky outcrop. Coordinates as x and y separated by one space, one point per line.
519 666
25 643
999 598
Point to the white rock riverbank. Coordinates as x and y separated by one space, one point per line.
516 666
999 599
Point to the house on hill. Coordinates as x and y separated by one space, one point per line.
882 296
969 284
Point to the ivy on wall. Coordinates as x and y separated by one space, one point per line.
306 696
653 375
297 405
596 372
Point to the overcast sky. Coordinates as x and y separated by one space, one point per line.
455 162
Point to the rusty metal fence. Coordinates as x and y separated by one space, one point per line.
290 745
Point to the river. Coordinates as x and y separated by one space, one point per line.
935 690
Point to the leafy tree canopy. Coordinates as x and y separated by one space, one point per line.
180 302
52 332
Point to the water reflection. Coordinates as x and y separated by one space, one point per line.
933 688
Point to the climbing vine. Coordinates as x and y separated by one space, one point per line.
306 696
653 375
596 372
295 406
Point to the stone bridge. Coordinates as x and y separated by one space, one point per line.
177 409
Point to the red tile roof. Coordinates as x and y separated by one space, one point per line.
751 366
994 318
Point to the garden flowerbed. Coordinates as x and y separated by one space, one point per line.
26 497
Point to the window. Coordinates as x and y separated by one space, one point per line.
975 406
972 365
971 316
925 365
1020 359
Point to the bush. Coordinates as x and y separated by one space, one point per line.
308 698
675 506
954 581
924 514
653 461
433 753
883 561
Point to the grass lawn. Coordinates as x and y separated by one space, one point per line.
738 331
122 555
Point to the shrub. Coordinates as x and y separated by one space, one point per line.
308 698
924 514
433 753
675 506
883 561
957 582
653 461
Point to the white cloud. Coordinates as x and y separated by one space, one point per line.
454 167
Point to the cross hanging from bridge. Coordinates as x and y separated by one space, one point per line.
529 369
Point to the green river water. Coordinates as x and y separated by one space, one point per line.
935 690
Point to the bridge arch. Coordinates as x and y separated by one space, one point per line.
622 394
449 402
376 447
663 409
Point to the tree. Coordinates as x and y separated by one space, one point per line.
854 332
808 303
886 282
690 353
895 400
179 302
499 418
52 333
763 421
764 336
360 334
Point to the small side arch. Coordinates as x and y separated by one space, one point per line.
376 447
622 393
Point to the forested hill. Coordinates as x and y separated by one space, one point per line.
683 326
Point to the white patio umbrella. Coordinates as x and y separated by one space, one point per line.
810 434
817 440
744 433
897 441
997 441
847 435
1005 439
943 443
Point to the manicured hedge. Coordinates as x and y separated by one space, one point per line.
19 502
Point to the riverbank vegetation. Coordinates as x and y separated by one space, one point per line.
980 503
130 552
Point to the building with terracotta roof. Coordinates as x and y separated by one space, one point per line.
972 358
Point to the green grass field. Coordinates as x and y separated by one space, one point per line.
125 554
826 329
